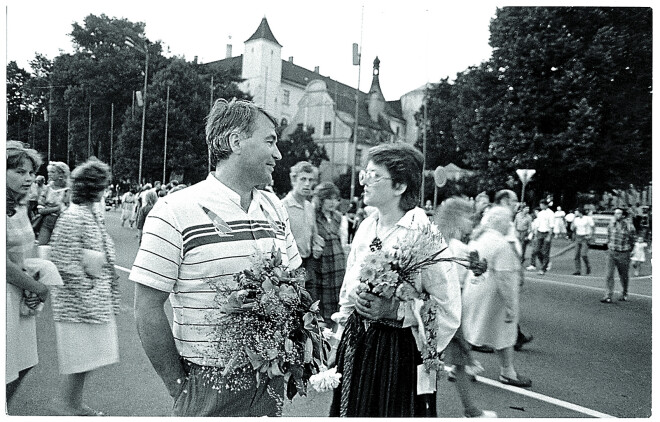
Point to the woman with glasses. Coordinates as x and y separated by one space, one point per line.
378 360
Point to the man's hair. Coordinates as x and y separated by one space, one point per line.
543 202
404 163
503 194
301 167
228 117
88 179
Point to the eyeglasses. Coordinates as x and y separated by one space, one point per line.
370 177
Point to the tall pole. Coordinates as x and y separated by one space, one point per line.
144 109
89 131
424 145
50 117
167 113
112 123
357 108
208 149
68 137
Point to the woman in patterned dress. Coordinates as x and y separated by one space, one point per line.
331 265
84 308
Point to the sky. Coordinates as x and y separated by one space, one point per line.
417 41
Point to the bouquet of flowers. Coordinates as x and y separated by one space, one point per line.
393 274
268 324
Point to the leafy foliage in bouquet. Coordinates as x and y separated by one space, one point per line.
392 274
268 323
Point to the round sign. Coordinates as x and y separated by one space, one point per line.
440 176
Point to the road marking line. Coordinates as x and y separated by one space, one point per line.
546 399
600 289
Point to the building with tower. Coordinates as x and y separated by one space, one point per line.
300 97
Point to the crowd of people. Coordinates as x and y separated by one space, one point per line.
207 231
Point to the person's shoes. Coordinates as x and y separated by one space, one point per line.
588 270
483 349
606 299
623 298
541 272
519 382
549 266
484 414
522 341
577 273
531 268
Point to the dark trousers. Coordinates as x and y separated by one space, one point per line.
544 243
620 261
581 250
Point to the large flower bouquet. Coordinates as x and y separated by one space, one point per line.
268 325
394 274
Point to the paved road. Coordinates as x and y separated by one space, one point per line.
587 359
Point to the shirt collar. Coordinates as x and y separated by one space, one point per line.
411 220
229 193
291 200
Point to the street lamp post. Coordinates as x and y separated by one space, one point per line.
145 51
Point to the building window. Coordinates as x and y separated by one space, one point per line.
285 96
327 128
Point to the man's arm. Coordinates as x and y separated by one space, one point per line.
156 336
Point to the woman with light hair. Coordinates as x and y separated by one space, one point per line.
55 199
84 309
490 301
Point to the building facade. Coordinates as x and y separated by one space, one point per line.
301 97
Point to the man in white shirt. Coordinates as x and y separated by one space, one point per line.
583 226
546 220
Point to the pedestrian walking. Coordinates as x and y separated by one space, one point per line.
559 228
523 226
620 241
491 301
454 220
546 221
85 307
583 227
149 200
207 232
128 208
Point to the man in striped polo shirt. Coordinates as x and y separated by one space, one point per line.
206 233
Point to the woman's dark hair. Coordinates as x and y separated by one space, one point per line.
404 163
323 191
16 153
88 180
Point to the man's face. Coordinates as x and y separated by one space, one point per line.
259 152
543 206
302 184
618 214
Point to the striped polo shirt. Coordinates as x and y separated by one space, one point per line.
199 235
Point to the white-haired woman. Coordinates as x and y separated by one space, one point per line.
490 301
55 199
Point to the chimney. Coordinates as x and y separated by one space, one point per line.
290 59
228 51
316 69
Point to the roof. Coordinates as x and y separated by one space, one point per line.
264 32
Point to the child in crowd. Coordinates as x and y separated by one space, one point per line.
638 254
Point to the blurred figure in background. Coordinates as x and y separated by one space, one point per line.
127 208
149 200
36 191
331 265
55 200
84 308
583 227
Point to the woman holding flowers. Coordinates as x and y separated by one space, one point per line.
381 336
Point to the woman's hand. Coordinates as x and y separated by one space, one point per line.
375 307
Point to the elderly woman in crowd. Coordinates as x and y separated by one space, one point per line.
27 278
84 308
490 301
332 263
54 200
379 363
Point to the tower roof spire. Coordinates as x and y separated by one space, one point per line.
264 32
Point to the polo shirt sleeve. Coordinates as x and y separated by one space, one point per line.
159 257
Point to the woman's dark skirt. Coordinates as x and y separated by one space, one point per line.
379 373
